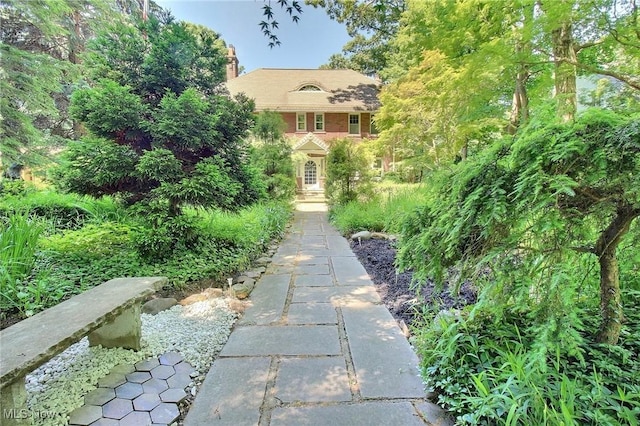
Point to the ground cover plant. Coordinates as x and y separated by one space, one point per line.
46 261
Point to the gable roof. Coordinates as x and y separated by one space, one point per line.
278 89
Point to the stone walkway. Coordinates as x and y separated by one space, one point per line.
316 346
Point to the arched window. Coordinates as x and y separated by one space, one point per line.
309 88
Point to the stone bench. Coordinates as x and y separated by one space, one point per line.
108 313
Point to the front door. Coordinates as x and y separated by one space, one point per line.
311 175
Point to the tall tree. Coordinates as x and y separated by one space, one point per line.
163 133
42 44
371 25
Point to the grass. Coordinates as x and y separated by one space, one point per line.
18 239
384 213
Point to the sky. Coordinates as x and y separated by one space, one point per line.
307 44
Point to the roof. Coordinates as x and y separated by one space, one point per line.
278 89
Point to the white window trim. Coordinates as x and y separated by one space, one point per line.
298 114
349 124
315 122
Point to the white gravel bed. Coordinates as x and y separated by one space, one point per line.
197 331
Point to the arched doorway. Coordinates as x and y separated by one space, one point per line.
311 175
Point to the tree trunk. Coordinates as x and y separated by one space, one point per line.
610 302
564 55
520 104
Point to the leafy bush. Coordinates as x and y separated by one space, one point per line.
272 155
15 187
348 172
553 337
357 216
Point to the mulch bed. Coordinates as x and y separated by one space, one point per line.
397 290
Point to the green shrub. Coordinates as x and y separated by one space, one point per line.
15 187
348 173
91 241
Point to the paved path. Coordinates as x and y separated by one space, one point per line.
316 346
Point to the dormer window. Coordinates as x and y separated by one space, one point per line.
309 88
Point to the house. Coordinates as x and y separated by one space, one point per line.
317 105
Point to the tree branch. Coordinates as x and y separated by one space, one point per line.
628 80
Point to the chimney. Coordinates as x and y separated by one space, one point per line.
232 63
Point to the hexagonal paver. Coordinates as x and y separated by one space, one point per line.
105 422
156 385
99 396
137 418
138 377
165 413
179 381
163 372
123 369
117 408
147 365
184 367
85 415
112 380
171 358
129 390
147 402
173 395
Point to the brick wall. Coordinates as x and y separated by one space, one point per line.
336 125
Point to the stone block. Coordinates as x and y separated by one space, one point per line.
13 402
123 331
154 306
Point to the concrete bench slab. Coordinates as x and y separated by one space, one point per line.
108 313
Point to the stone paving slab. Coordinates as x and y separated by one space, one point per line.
284 259
337 242
305 259
311 270
283 340
136 395
330 252
267 300
349 272
313 281
312 313
312 380
386 365
338 296
364 414
233 390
